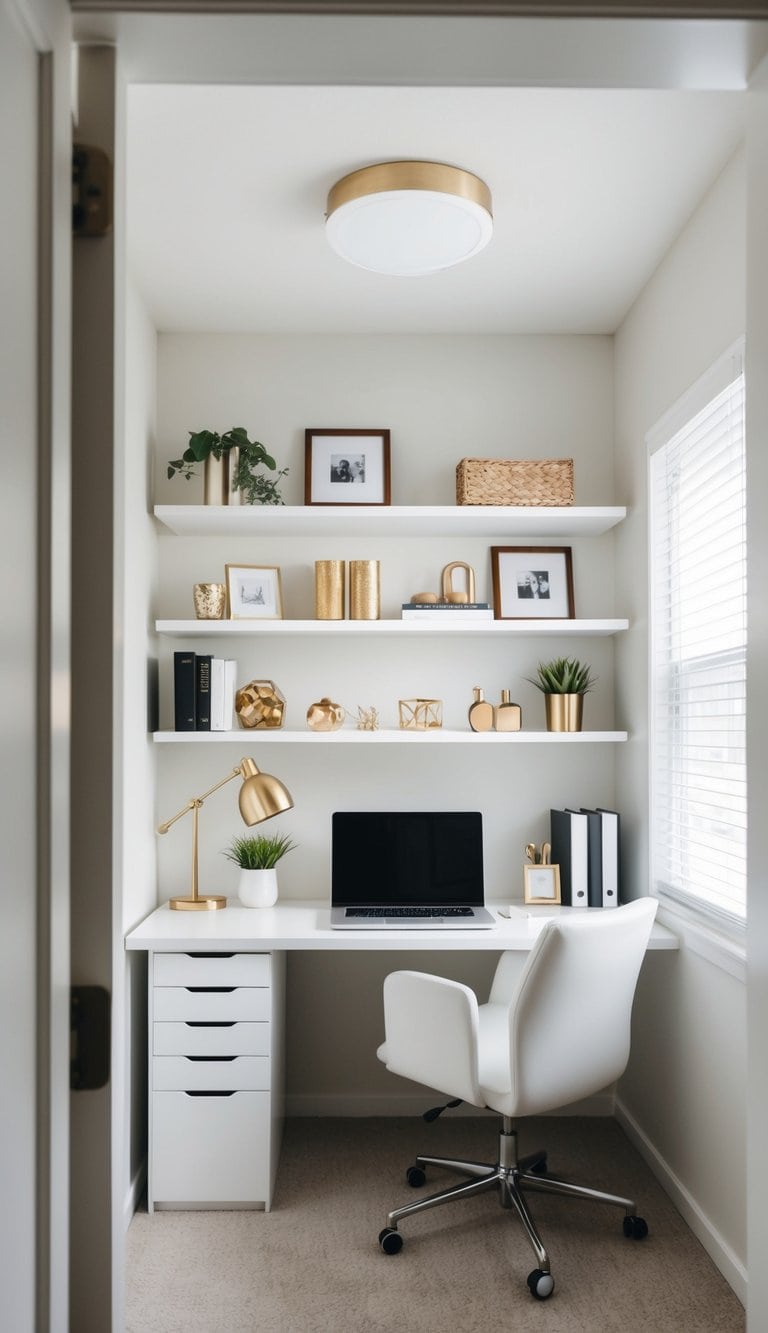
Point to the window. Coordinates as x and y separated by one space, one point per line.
698 648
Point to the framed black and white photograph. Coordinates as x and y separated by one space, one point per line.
346 467
532 582
254 592
542 884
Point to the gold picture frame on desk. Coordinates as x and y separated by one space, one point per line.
541 884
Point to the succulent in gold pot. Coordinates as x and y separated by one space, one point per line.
563 681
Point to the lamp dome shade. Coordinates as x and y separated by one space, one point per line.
261 795
409 219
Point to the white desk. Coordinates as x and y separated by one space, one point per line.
216 1034
305 925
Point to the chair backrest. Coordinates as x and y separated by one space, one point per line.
570 1010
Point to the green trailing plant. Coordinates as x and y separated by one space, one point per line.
259 852
256 487
563 675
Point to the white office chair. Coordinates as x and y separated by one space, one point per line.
547 1037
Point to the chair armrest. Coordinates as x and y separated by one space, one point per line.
431 1027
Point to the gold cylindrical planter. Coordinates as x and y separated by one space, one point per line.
217 479
329 589
210 601
364 590
564 711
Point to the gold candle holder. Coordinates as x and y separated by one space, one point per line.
420 714
364 590
210 601
329 589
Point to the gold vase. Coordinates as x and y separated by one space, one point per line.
210 601
364 590
325 715
564 711
217 478
329 589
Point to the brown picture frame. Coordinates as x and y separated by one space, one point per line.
343 466
532 582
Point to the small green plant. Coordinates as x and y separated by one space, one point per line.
257 488
261 852
563 675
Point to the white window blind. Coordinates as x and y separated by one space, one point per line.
698 649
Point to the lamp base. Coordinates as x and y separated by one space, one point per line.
207 903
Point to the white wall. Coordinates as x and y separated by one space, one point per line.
757 673
684 1091
442 398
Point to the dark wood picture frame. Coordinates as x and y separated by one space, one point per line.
532 582
364 455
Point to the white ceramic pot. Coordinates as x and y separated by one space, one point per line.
258 888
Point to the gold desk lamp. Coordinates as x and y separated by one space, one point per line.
261 797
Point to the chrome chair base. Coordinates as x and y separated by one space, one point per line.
511 1178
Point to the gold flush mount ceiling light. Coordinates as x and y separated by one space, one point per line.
409 219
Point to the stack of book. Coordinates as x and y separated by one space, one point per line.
585 845
203 692
459 613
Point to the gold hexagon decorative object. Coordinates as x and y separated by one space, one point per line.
420 714
260 705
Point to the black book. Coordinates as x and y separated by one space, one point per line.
184 691
203 692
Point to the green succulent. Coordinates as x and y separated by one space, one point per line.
205 444
261 852
563 675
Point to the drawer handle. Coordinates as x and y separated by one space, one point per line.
211 990
214 954
219 1060
208 1025
209 1094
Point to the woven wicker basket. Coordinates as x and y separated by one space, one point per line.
512 481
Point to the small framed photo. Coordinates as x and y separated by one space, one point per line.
254 592
532 582
346 467
542 884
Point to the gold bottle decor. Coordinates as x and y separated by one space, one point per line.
325 715
506 715
480 712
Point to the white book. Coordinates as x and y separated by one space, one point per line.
610 826
462 615
223 673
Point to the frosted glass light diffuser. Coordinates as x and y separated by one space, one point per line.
408 219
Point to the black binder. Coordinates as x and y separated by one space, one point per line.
184 691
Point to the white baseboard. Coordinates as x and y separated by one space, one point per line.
134 1193
718 1249
355 1105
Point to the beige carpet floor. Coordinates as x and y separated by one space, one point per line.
313 1265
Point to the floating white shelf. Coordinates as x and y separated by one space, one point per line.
383 628
387 520
387 736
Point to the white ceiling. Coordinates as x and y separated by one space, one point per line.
227 188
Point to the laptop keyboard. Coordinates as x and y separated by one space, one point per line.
411 913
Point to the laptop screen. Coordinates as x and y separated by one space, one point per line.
405 859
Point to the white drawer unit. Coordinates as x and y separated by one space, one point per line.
216 1079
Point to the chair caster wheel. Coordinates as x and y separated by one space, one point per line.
541 1284
416 1176
390 1240
635 1228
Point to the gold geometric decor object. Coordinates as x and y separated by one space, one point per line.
420 714
260 705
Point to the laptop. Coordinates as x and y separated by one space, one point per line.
407 870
